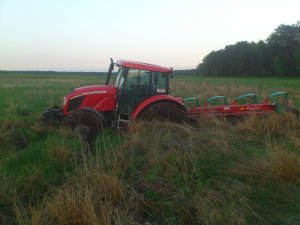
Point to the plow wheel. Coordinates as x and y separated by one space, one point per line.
293 110
163 111
86 123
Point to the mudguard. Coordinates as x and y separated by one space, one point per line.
153 99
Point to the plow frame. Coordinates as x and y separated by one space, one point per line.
243 105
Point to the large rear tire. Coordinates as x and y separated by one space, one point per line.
163 110
86 123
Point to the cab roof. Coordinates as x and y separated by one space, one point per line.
143 66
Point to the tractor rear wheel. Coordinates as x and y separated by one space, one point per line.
163 111
88 124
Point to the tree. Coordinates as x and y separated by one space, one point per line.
283 44
278 55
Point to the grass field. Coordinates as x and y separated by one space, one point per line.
214 172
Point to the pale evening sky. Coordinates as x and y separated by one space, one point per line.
81 35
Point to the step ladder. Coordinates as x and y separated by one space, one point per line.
123 124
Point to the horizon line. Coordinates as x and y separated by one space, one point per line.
66 71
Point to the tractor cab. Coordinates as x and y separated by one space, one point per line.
136 82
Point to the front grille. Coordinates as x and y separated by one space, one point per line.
75 103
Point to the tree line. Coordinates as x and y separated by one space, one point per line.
278 55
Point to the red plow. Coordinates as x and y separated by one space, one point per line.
244 105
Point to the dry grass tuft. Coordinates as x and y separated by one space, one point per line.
165 136
226 206
60 153
59 150
4 139
209 133
8 124
158 136
169 148
92 198
279 165
274 124
66 132
213 134
39 128
6 195
283 166
144 127
12 135
295 139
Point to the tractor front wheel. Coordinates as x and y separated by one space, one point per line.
86 123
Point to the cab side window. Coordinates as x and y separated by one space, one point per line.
159 83
138 80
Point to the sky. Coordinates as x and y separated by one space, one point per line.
82 35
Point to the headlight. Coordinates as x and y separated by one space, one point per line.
64 101
74 103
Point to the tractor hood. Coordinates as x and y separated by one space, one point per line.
94 89
99 97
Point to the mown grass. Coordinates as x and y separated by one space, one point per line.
214 172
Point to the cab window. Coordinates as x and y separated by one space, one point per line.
138 79
159 83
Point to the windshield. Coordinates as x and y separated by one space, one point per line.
119 77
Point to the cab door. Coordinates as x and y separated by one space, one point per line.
159 83
135 89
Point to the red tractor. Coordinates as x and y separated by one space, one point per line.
139 91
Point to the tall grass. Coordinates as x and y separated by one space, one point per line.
287 125
214 172
91 198
280 165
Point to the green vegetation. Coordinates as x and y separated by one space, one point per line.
279 55
214 172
